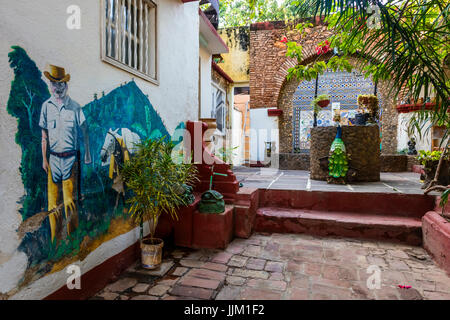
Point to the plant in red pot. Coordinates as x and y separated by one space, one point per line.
321 101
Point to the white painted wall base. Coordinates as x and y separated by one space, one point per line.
262 129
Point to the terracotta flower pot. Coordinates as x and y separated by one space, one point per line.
151 252
323 103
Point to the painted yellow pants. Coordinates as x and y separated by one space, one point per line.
69 193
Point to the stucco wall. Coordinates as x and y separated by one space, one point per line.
205 80
236 62
422 142
262 129
40 29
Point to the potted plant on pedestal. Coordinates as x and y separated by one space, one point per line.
362 116
319 102
372 106
157 181
322 101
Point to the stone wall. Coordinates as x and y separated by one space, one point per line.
393 162
294 161
388 163
389 120
361 143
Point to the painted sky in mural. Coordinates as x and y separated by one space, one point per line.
71 157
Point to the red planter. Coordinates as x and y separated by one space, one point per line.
405 108
274 112
323 103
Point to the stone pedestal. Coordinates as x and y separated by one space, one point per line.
247 201
363 147
213 230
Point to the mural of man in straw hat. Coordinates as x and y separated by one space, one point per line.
62 120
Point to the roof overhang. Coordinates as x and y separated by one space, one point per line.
209 38
222 73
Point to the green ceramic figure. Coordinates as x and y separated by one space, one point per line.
338 161
188 196
212 200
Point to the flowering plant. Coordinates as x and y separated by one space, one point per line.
323 47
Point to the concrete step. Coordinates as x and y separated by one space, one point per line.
390 204
385 227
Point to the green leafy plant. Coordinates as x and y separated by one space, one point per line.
235 13
156 182
226 154
425 156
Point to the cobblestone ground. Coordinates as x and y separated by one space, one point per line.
287 266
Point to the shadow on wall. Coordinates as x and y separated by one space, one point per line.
114 121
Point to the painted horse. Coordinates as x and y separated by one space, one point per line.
115 151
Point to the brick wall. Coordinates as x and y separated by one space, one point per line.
268 62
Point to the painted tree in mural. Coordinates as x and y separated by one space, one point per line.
28 92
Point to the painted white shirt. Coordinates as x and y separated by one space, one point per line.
62 123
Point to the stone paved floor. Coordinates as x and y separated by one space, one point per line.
268 178
286 266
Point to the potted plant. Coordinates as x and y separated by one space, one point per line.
430 161
157 183
372 107
321 101
226 155
361 116
363 99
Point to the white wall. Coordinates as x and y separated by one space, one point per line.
39 27
423 143
205 82
237 138
262 128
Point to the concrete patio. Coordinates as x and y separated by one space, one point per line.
286 266
268 178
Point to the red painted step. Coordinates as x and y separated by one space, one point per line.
387 227
395 204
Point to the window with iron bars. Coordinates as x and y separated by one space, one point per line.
129 36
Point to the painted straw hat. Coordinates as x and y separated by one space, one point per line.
57 74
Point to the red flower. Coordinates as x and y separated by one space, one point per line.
284 39
327 43
325 49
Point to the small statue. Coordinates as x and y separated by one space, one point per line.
188 196
412 147
211 200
